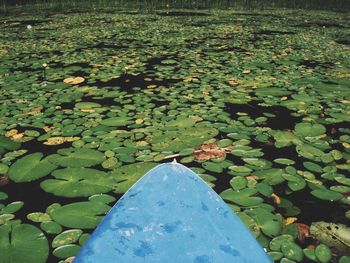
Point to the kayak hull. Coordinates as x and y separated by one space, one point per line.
171 216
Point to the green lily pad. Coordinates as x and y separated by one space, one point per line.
12 207
249 223
117 121
181 123
84 215
125 176
30 168
25 240
270 224
66 251
8 145
87 105
79 157
238 183
66 237
51 227
323 253
344 259
78 182
325 194
107 199
310 254
3 168
310 152
284 161
292 251
5 218
3 196
243 197
276 243
38 217
275 255
306 129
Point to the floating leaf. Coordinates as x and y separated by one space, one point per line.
325 194
74 80
306 129
8 145
26 244
333 235
80 157
116 121
38 217
125 176
292 251
78 182
30 167
67 237
51 227
270 224
66 251
12 207
85 215
323 253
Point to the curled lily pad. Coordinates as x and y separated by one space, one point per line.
75 182
30 167
24 239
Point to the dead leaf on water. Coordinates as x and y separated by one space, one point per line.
211 151
74 80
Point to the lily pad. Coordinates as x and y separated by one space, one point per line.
80 157
30 168
306 129
84 215
78 182
66 251
8 145
125 176
325 194
116 121
18 242
66 237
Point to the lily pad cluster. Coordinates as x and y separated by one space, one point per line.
256 103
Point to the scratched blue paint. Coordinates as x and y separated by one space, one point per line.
171 216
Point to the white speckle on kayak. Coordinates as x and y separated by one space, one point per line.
128 233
